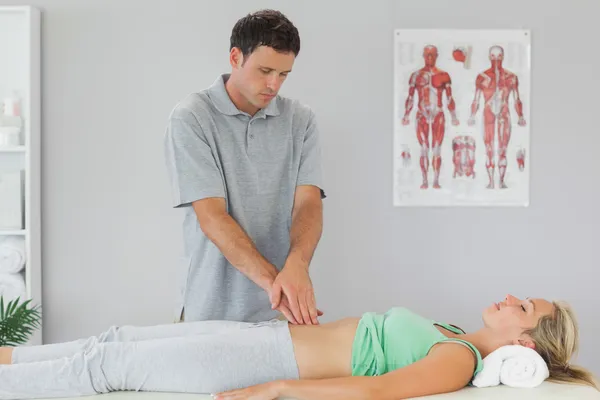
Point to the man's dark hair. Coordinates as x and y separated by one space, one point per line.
265 28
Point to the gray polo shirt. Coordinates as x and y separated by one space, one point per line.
213 149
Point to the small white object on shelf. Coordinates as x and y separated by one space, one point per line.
13 256
12 106
10 136
11 123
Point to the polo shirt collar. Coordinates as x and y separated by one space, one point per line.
223 103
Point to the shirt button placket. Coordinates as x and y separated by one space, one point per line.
250 137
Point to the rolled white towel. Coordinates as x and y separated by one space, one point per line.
12 254
12 286
512 365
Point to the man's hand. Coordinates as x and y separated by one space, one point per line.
292 292
284 307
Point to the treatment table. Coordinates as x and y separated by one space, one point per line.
546 391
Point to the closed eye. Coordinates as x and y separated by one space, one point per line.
523 308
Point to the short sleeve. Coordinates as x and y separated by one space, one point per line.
192 169
310 170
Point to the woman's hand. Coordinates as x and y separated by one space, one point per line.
264 391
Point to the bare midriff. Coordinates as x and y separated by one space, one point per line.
324 350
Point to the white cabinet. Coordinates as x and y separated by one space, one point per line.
20 147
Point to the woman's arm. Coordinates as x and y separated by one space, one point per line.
447 368
348 388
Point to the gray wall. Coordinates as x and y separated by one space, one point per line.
112 71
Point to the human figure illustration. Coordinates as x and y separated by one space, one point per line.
430 83
496 85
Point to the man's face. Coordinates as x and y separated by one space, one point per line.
430 55
259 76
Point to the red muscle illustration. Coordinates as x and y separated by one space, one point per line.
463 55
430 84
521 159
459 55
405 155
463 154
496 85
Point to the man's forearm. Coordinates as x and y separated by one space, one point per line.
305 232
239 249
348 388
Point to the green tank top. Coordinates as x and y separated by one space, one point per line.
397 338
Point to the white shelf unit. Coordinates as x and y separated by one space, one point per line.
20 232
20 72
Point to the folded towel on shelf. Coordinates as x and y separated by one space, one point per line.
12 286
12 254
512 365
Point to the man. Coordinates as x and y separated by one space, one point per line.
244 164
430 83
496 84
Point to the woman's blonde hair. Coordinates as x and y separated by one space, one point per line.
556 339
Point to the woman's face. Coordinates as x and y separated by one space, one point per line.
512 316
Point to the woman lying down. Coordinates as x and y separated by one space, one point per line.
393 355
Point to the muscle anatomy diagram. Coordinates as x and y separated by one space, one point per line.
461 101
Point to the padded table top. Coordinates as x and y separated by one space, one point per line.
546 391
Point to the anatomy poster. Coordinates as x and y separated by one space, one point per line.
461 117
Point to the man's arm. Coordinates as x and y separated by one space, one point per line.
447 368
294 280
307 225
233 242
305 232
237 247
